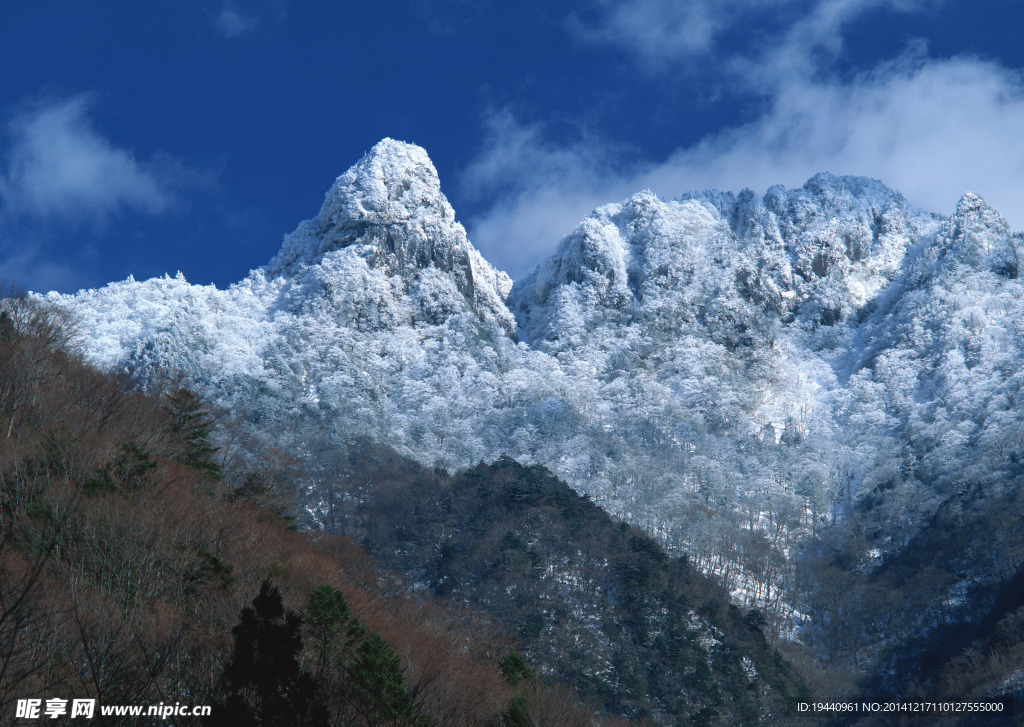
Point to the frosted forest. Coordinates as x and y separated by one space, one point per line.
814 396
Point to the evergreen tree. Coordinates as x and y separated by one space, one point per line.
333 628
517 714
377 684
515 668
264 682
6 327
193 424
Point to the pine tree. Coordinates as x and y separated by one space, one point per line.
377 686
264 683
193 424
333 628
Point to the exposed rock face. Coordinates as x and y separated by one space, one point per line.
389 210
818 253
732 263
978 236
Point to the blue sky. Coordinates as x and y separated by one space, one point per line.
144 138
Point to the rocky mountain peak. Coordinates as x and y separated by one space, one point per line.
969 203
978 236
388 210
394 182
390 207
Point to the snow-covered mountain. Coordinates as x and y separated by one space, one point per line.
731 372
377 295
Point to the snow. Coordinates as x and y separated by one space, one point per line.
714 354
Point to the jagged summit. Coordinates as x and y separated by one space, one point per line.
970 202
978 236
388 210
390 203
821 251
395 180
828 185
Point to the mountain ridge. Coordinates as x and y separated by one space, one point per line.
758 382
745 277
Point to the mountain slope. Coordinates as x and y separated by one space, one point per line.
595 603
126 559
786 388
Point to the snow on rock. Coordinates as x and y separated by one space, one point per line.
389 210
692 364
978 236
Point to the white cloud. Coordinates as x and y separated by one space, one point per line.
232 22
241 17
540 190
35 272
809 44
657 31
670 34
932 129
667 33
58 165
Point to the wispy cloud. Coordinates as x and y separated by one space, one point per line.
809 45
57 165
540 189
60 175
668 34
664 33
32 271
232 21
932 129
444 17
237 18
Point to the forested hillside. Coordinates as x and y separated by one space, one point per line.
595 603
140 565
812 394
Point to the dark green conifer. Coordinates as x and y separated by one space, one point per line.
6 327
377 684
331 625
264 683
193 424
